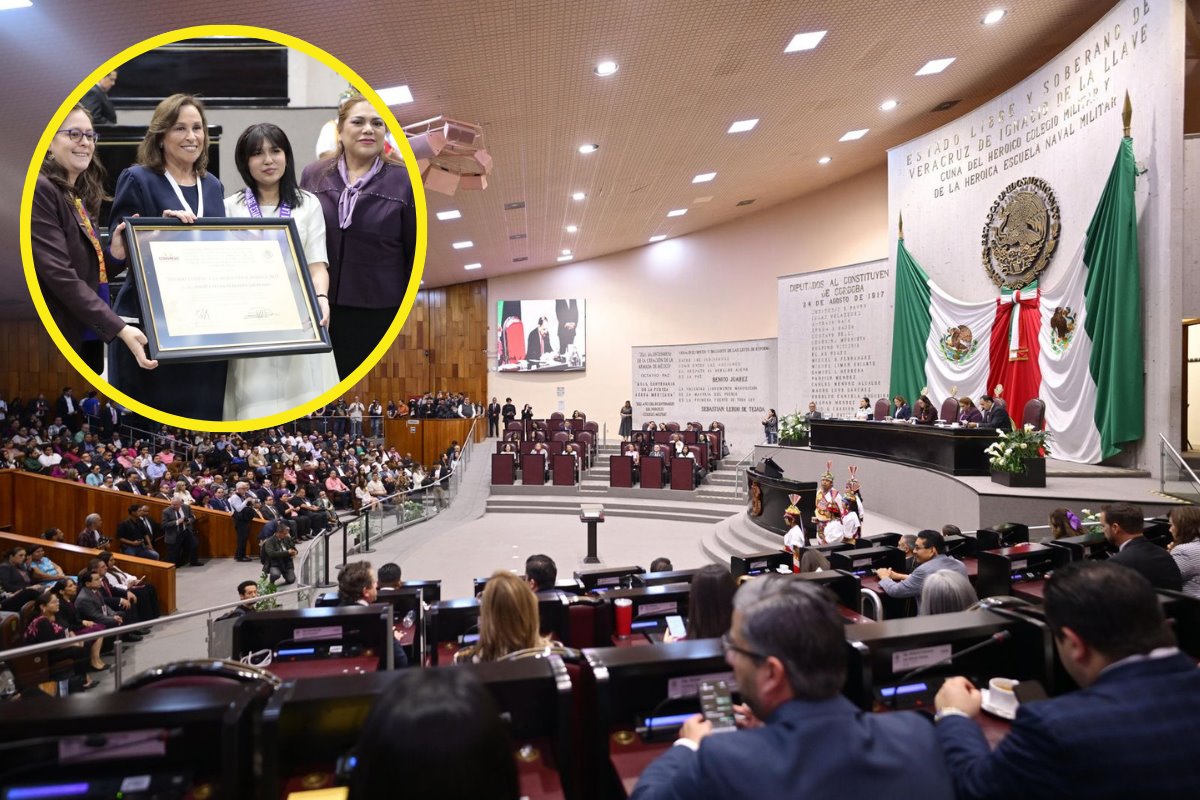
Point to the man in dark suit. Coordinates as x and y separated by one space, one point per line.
179 532
67 409
1122 524
787 649
538 344
509 411
493 416
1129 732
135 534
567 312
97 102
994 415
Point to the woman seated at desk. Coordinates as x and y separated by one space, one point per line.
967 412
924 413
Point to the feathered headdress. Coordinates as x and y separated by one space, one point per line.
827 475
852 484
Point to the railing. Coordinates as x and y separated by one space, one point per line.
1175 476
299 593
739 472
372 425
160 441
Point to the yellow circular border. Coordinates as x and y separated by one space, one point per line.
116 62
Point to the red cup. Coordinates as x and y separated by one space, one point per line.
624 609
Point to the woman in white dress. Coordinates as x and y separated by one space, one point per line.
258 387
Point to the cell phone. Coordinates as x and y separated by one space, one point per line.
716 704
676 627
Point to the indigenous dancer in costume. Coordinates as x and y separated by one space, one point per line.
830 510
795 539
855 514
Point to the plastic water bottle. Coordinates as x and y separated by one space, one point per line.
409 619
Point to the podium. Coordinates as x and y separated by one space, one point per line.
652 472
591 515
533 469
620 471
503 469
682 475
564 470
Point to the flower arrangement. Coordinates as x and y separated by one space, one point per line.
1009 451
793 427
265 590
1090 522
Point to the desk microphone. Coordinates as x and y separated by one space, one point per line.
995 638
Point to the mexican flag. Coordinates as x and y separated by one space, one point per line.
1076 345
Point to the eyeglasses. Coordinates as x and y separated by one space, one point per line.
76 135
727 644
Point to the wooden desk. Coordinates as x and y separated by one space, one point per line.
324 667
954 451
1033 591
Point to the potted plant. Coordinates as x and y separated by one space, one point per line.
793 430
1018 457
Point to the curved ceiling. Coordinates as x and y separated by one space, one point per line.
524 71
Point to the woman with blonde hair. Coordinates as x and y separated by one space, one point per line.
508 620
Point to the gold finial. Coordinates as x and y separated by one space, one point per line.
1127 114
902 222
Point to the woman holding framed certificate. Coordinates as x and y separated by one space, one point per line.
71 265
258 387
370 232
170 179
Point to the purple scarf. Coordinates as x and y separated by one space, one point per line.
349 197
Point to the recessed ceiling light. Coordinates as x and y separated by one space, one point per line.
742 125
658 238
588 148
8 5
888 105
578 196
850 136
519 259
606 68
473 266
572 228
805 41
395 95
451 214
566 252
704 199
994 16
935 66
704 177
565 258
679 212
513 206
462 245
824 160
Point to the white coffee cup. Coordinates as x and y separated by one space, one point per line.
1001 695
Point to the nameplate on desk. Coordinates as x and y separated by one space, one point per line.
905 660
324 632
689 685
1018 565
657 609
613 581
860 562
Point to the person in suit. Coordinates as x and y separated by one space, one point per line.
135 534
994 415
357 586
508 411
902 409
493 417
930 553
68 258
787 649
1122 524
93 606
179 532
1128 732
97 102
567 313
812 412
278 554
538 344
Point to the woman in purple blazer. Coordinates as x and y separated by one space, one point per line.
370 232
967 412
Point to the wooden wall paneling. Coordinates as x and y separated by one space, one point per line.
7 499
30 364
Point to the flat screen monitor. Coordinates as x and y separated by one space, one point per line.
541 335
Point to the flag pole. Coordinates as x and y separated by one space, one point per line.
1127 114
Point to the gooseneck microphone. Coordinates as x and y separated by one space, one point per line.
995 638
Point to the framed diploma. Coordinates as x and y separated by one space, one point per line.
223 288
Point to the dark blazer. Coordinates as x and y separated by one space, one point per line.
174 523
189 390
92 607
67 267
996 418
380 243
1153 561
903 412
829 748
131 529
1130 734
537 345
100 106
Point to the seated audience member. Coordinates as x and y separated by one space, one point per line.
357 587
67 591
509 621
661 564
47 627
91 536
436 733
278 552
710 603
924 412
994 415
1064 523
389 576
1122 524
16 584
951 530
144 594
787 649
541 573
135 534
1129 732
1185 546
945 592
247 591
908 545
41 568
930 555
92 604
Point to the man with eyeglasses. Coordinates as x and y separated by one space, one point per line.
787 648
929 551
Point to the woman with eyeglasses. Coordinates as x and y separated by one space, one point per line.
170 179
72 265
370 231
258 387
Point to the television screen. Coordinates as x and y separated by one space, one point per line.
540 336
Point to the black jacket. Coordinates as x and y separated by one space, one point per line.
1152 561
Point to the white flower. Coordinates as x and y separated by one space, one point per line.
1024 446
1008 451
1028 427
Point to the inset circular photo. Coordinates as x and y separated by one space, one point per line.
221 230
